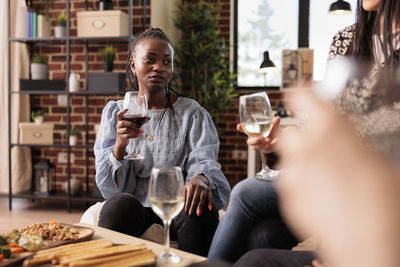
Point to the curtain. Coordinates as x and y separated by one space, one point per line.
20 110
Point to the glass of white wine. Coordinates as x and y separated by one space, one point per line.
256 119
167 197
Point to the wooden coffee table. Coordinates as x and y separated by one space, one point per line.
118 238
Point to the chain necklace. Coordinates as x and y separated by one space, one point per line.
149 135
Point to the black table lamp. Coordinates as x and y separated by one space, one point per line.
267 64
340 7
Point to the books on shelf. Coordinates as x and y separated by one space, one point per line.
43 26
37 25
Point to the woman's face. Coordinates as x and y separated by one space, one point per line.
370 5
153 63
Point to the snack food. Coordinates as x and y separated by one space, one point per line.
51 231
95 253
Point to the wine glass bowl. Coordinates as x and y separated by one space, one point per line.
256 117
135 104
167 198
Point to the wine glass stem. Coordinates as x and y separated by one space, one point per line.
263 159
134 146
166 235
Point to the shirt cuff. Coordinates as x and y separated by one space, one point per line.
116 164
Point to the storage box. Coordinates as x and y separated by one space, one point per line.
105 82
102 23
32 133
45 85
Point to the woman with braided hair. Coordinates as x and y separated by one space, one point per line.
179 132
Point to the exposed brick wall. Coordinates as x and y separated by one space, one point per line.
234 169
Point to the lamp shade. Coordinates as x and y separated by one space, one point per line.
267 64
340 7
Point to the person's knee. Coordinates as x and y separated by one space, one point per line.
123 213
251 193
194 233
270 233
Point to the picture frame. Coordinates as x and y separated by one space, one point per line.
297 66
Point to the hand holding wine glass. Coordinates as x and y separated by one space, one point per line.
269 143
135 104
167 197
256 119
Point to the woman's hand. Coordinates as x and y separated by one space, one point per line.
268 143
125 131
197 192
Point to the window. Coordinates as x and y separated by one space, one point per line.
274 25
264 25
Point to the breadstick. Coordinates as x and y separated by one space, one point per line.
95 262
139 260
78 251
37 261
75 245
102 253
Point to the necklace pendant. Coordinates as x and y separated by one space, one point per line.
149 138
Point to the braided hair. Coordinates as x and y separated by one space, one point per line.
150 33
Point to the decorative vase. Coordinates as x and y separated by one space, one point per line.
73 140
108 66
39 120
75 186
74 82
39 71
105 5
60 31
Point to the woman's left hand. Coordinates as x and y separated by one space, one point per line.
197 192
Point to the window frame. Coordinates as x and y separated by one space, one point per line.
302 41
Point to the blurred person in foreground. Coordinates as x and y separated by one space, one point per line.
339 189
253 219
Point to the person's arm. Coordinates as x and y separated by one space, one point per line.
204 173
110 172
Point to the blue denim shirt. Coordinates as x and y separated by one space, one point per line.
191 142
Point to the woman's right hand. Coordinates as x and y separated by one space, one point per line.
268 143
125 131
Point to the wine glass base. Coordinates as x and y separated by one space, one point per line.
134 157
267 174
168 256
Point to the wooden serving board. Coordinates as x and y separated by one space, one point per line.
85 234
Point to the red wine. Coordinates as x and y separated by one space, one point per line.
139 121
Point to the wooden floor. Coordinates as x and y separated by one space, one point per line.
24 212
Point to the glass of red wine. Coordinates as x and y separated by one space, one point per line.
136 105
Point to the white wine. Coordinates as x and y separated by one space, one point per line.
254 129
167 209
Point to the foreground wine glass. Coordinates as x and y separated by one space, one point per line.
136 105
256 119
166 195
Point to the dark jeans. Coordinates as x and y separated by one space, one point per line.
267 258
251 221
125 214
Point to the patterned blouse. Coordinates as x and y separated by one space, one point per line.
373 108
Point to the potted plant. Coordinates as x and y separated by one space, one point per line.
39 68
48 4
61 28
38 116
108 54
202 69
73 136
